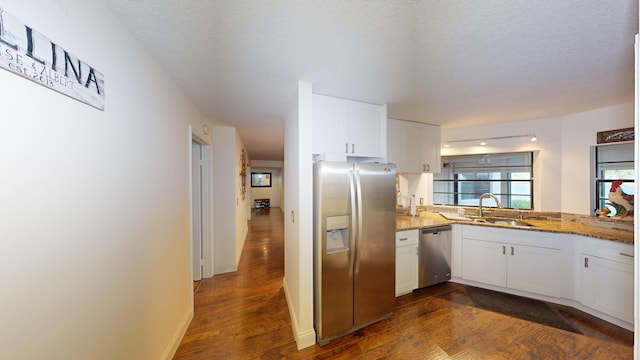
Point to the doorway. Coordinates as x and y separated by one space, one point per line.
201 238
197 261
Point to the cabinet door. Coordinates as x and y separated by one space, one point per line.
533 269
406 269
484 261
366 124
330 125
413 147
404 140
430 149
607 286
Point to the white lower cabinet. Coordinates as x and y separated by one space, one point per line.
596 275
484 262
406 261
534 269
607 277
507 258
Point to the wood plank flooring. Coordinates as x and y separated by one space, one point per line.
244 315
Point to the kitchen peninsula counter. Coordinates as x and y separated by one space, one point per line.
428 219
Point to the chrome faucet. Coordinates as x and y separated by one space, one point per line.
494 198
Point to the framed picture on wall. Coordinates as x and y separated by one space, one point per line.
260 179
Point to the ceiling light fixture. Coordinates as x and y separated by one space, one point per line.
483 141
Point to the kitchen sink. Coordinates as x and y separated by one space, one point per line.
502 221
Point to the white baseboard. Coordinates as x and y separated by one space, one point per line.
225 269
171 349
303 338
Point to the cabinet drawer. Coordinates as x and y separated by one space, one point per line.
407 237
512 236
610 250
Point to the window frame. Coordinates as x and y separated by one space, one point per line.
598 200
505 182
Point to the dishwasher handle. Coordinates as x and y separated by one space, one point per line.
435 230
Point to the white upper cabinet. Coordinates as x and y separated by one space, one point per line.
414 147
430 148
330 124
349 127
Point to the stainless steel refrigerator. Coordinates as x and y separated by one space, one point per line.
354 246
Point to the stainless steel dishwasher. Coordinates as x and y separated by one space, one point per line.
434 260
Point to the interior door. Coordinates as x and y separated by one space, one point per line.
196 209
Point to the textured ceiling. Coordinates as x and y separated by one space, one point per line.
453 63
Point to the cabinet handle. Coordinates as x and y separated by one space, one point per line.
504 249
512 251
428 167
403 239
625 254
586 262
346 148
353 148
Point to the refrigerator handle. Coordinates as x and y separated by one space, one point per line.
359 219
352 234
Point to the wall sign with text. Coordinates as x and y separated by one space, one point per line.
626 134
28 53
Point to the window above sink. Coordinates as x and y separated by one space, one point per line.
465 177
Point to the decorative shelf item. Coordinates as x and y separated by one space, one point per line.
243 174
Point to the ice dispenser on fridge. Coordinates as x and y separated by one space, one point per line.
337 233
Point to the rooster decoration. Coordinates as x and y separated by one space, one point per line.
620 200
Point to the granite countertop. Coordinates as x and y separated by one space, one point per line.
430 219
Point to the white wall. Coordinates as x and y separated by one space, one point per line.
561 164
298 212
243 201
229 208
579 134
419 185
267 163
636 217
94 217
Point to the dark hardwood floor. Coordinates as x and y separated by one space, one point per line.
244 315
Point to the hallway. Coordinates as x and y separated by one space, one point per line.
240 315
244 315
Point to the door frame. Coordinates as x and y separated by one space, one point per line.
206 195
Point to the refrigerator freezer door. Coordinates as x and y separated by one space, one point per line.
333 264
374 275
